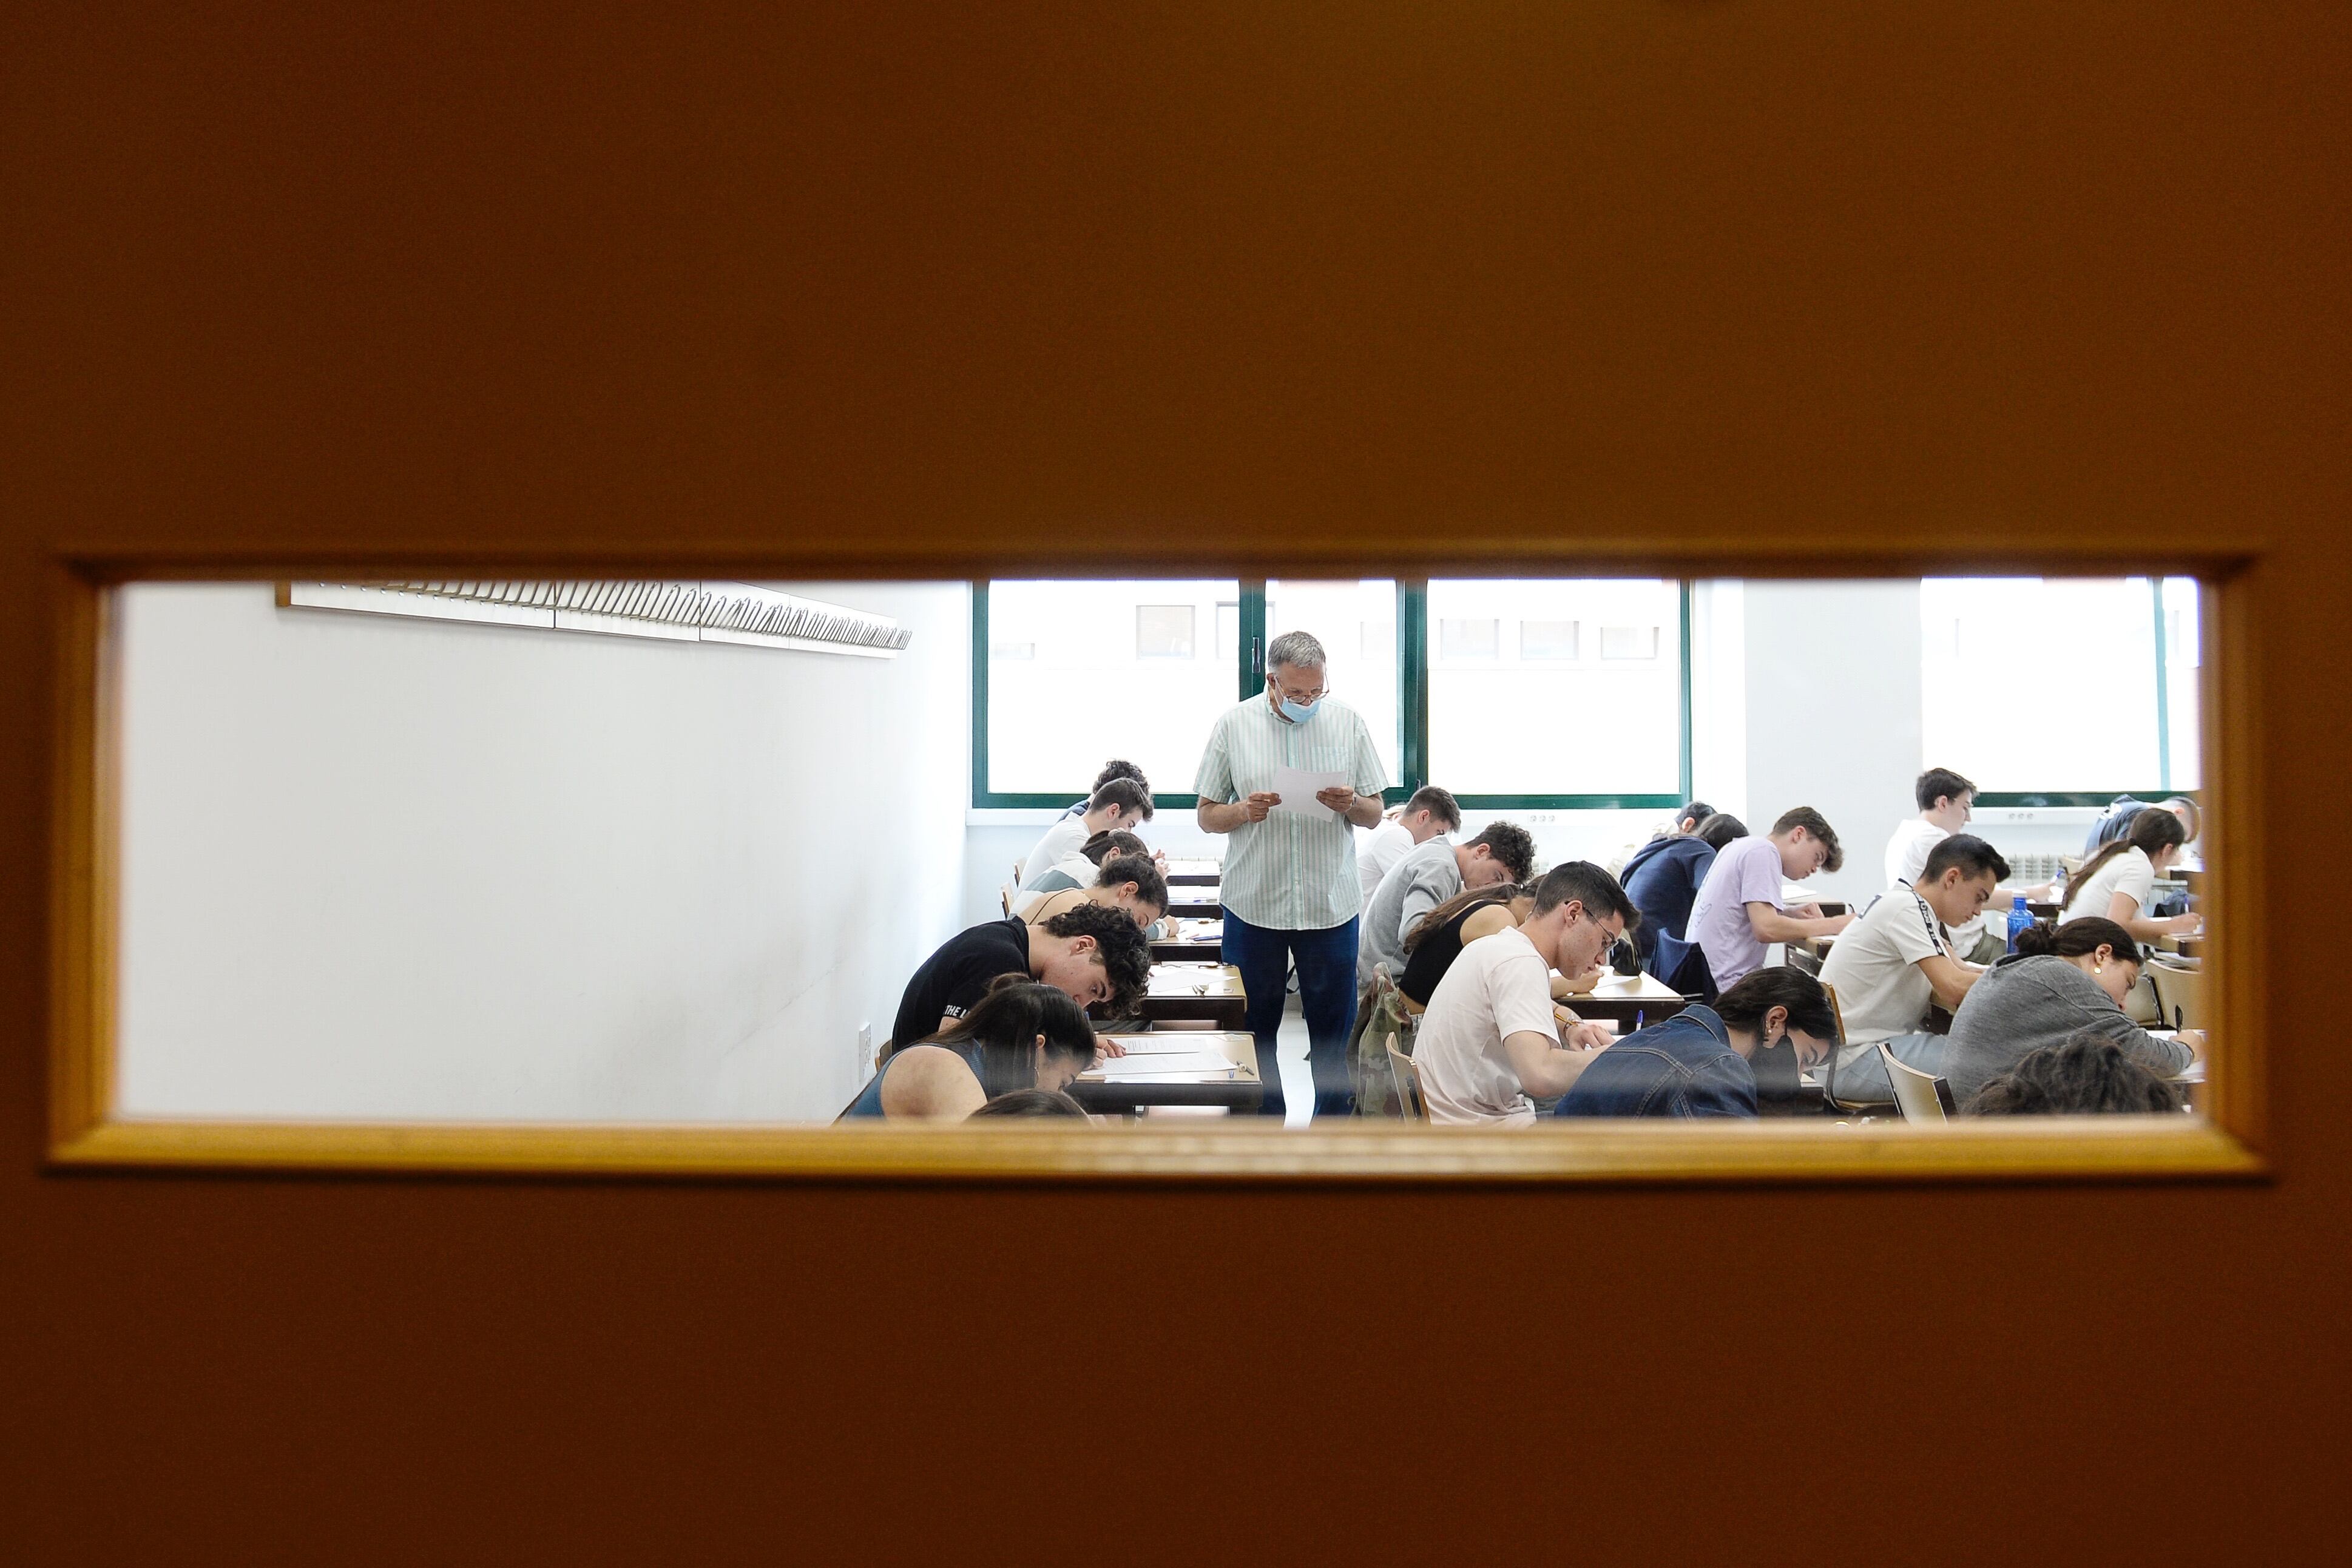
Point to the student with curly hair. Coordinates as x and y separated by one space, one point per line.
1092 953
2088 1075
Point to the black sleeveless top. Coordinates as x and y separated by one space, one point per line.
1433 954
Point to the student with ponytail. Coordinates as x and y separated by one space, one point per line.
2062 981
2115 883
1020 1035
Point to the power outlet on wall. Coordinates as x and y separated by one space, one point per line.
865 1052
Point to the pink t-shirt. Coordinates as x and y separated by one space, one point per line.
1745 871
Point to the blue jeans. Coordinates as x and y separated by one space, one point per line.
1326 995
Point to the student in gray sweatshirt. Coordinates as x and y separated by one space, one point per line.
1427 878
2060 983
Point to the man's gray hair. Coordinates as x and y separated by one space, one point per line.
1298 649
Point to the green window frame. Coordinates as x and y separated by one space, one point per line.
1413 714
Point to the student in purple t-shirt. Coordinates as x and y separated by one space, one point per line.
1738 911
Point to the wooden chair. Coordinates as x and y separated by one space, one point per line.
2178 990
1005 897
1016 870
1843 1107
1408 1083
1921 1097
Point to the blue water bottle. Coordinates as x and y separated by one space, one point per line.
2020 917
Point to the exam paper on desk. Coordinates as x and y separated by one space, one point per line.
1297 787
1161 1064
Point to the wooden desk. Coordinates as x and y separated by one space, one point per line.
1196 991
1128 1083
1629 1001
1195 941
1194 873
2039 911
1196 901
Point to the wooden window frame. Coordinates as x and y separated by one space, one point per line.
2228 1143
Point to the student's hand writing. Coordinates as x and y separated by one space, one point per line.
1259 803
1586 980
2181 925
1590 1036
1807 911
1338 797
1107 1046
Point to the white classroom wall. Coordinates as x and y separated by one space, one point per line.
376 867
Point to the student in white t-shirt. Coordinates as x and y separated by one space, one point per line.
1491 1038
1946 803
1899 958
1430 814
2117 881
1117 807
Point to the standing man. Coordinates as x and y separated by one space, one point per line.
1291 895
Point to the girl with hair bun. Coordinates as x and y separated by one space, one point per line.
2062 981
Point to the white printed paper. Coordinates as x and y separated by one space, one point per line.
1298 789
1173 1064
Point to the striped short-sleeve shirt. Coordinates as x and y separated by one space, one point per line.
1288 873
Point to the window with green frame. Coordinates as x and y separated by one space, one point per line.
2130 729
1521 694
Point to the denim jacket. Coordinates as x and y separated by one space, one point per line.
1683 1067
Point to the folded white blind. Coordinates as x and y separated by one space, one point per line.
737 613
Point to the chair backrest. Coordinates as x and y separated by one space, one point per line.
1829 1078
2178 990
1005 896
1914 1091
1016 869
1408 1083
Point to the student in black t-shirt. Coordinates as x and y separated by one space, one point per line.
1093 953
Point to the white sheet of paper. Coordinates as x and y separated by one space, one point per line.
1169 1064
1171 1043
1297 787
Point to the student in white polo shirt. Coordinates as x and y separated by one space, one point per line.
1898 959
1430 814
1491 1038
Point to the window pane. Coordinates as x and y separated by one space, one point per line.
2183 656
1556 714
1990 709
1356 624
1113 669
1163 631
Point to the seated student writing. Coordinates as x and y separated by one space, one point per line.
1019 1034
1091 953
1436 939
1491 1038
2088 1075
1129 882
1117 807
1685 822
1429 814
1740 911
1081 868
1899 958
1946 803
1436 871
2061 981
2117 881
1117 768
1664 877
2118 816
1707 1061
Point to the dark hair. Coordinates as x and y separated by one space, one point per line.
2078 938
1439 803
1129 794
1972 855
1589 885
1118 768
1150 885
1032 1102
2087 1075
1468 898
1719 830
1113 841
2152 829
1818 826
1783 985
1510 844
1125 956
1694 813
1937 783
1005 1023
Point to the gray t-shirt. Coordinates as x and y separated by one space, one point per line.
1424 878
2022 1004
